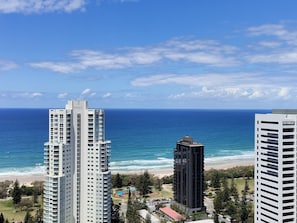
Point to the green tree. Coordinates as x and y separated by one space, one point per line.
231 209
25 204
16 193
167 179
118 181
218 202
147 182
132 215
226 191
1 218
38 215
244 213
246 186
234 191
244 207
27 191
158 184
35 197
6 221
28 218
215 179
144 183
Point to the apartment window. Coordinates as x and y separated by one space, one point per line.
288 213
268 198
288 143
288 156
288 181
288 130
288 175
272 212
288 137
288 220
288 188
269 217
270 130
288 168
288 195
288 207
288 162
267 122
288 201
288 149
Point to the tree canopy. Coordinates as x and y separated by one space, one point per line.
16 193
1 218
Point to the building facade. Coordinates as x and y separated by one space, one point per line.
275 167
78 180
188 175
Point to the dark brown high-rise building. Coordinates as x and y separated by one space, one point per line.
188 175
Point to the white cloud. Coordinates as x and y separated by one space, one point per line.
7 65
61 67
256 94
201 80
40 6
106 95
229 85
86 91
197 52
267 29
270 44
279 31
177 96
275 44
222 93
130 95
284 92
62 95
282 57
28 95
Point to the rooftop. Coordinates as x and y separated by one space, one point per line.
285 111
171 213
143 213
188 141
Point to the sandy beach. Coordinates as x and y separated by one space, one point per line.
222 165
29 178
24 179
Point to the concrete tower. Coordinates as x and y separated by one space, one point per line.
188 175
275 167
78 180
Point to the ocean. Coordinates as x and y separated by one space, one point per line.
141 139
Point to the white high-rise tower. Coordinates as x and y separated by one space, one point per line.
78 180
276 167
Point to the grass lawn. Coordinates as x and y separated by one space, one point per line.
240 183
9 212
165 193
13 214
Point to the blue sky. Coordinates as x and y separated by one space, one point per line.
149 53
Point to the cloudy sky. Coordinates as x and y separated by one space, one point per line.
149 53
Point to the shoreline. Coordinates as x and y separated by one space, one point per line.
28 178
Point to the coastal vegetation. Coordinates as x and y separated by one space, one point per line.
21 203
230 191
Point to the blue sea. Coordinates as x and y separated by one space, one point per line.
141 139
